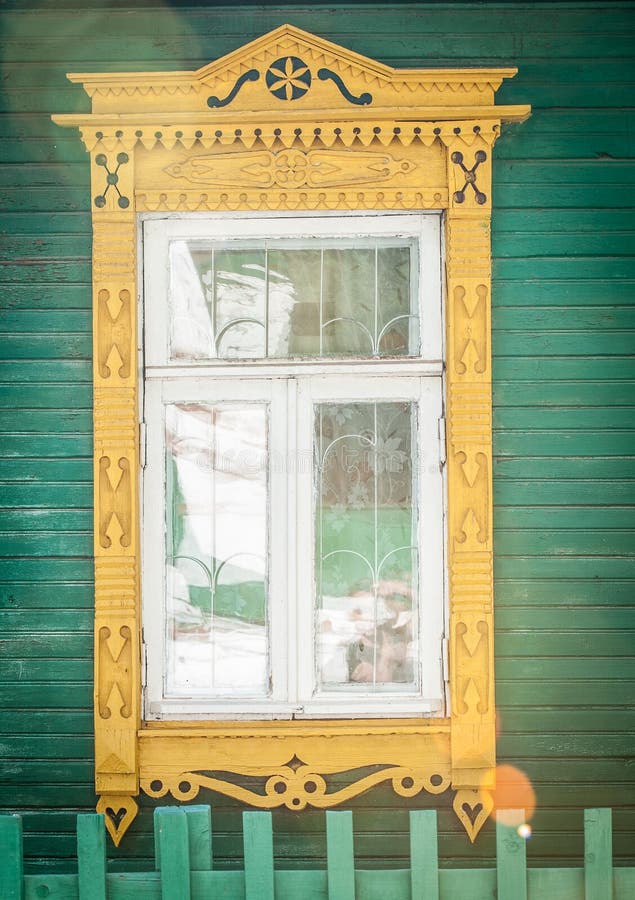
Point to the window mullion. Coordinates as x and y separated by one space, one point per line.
280 555
305 542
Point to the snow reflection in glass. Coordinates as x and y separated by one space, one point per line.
216 549
310 297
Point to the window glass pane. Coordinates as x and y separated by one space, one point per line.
366 557
311 297
216 549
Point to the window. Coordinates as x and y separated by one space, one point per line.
293 492
247 191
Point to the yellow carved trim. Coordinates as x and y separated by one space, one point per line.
472 808
119 812
293 122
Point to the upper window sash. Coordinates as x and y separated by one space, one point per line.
419 321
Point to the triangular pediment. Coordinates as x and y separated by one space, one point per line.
288 72
289 41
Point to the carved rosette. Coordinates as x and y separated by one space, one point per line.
292 122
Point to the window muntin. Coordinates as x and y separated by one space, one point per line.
297 666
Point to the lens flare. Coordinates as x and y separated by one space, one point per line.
514 797
524 831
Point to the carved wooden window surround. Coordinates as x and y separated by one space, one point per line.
293 122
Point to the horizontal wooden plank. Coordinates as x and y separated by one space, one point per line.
43 445
587 143
46 346
47 543
54 394
572 746
563 318
46 245
49 296
566 693
589 623
531 195
47 228
550 492
528 638
27 175
47 321
547 223
38 570
560 721
53 199
563 418
50 595
567 443
530 368
527 567
575 291
418 18
64 373
537 244
34 520
553 172
563 393
47 722
68 793
52 644
396 45
576 668
51 669
609 467
70 746
40 620
568 591
49 495
35 695
47 471
580 542
37 421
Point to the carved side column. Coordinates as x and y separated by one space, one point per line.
117 659
470 477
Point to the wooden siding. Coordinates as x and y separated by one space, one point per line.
563 320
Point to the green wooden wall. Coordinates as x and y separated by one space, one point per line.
564 320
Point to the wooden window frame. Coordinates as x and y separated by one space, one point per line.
291 385
293 122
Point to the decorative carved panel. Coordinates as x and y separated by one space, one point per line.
293 122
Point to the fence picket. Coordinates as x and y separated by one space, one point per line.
11 854
170 822
598 855
511 858
199 828
183 837
91 856
424 854
258 849
340 859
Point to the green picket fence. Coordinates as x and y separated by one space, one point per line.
183 854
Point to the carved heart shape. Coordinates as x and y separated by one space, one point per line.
472 812
116 817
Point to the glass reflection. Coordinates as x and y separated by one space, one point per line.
301 298
216 549
366 557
